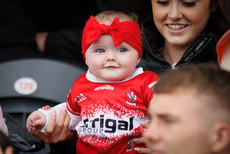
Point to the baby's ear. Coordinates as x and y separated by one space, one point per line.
138 60
221 137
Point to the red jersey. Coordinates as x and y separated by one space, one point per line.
110 112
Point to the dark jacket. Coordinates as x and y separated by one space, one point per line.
17 30
202 50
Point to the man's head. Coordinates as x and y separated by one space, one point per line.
191 112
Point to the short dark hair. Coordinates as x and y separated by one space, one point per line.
206 79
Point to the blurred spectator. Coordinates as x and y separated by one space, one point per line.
190 113
174 36
17 30
59 25
3 126
5 144
61 28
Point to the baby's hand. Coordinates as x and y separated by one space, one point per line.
35 121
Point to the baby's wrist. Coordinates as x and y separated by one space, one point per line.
46 114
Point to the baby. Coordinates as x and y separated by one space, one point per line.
108 102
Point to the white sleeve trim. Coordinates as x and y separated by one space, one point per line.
47 113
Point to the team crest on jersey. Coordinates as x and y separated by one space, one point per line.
131 98
130 146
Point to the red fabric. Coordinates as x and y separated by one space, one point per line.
47 107
222 45
90 100
126 31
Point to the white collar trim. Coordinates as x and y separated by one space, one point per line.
93 78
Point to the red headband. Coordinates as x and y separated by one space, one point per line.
126 31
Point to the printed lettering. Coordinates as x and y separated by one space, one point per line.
112 127
80 98
101 121
123 125
85 124
106 125
105 87
131 123
94 121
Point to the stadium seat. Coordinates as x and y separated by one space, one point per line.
28 84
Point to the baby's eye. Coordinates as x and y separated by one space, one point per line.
100 50
122 50
169 121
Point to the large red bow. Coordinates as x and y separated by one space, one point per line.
127 31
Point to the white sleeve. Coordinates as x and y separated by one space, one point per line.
47 113
74 119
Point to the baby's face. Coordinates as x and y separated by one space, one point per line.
111 63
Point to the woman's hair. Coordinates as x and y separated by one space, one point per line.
143 10
216 25
225 8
